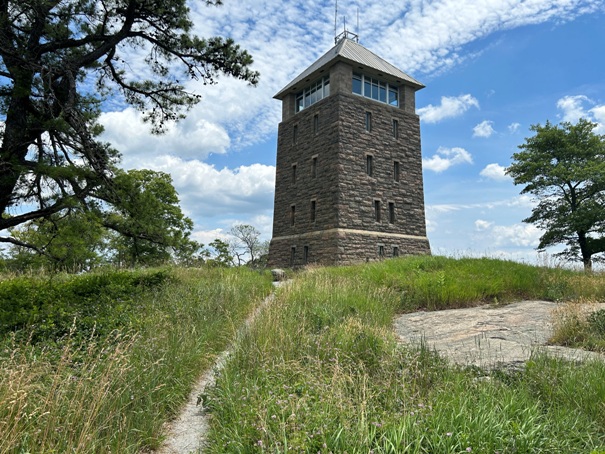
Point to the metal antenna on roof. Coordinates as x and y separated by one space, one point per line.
346 33
357 37
335 18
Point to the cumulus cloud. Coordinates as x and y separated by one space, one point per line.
446 158
449 107
484 129
234 115
480 224
514 127
494 172
580 106
523 235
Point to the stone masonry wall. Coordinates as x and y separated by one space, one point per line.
333 220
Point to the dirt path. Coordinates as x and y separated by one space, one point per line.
187 433
486 336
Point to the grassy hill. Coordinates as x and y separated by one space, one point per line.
97 363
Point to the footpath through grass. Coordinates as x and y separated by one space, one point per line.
96 363
321 371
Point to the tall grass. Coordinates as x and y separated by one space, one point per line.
112 393
321 370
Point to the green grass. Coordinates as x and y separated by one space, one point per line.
321 370
97 363
103 390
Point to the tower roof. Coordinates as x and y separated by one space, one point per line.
349 51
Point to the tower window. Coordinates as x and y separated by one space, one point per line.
377 210
368 121
395 129
295 134
292 214
391 212
375 89
292 255
306 255
380 250
315 123
395 251
313 93
396 170
293 173
313 166
313 208
369 165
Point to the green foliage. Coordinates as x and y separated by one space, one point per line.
563 167
47 309
222 256
114 392
72 241
50 157
147 217
578 326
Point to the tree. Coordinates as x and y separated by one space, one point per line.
564 167
59 59
72 241
222 256
144 225
147 218
247 241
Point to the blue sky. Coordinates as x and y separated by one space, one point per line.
491 69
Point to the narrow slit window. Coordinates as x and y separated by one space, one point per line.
314 167
292 255
396 170
313 208
381 251
292 214
395 251
293 173
306 255
315 123
391 213
368 121
369 165
377 210
395 129
295 134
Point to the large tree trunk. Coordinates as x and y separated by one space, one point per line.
15 141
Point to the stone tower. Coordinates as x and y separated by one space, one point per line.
348 182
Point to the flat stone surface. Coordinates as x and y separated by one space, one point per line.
489 336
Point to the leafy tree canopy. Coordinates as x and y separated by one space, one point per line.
52 53
564 167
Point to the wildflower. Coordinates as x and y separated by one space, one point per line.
449 434
469 449
259 442
273 416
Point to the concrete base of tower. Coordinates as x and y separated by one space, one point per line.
342 247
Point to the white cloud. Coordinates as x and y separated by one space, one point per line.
494 172
484 129
233 115
207 192
480 224
524 235
514 127
450 107
434 32
445 158
574 107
